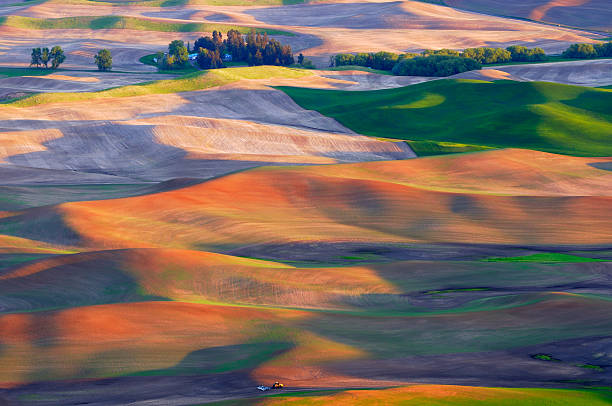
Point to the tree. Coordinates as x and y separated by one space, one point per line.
434 65
104 60
486 55
604 49
258 58
173 47
301 58
524 54
235 45
344 59
207 59
179 52
45 57
204 58
444 51
217 39
580 51
204 42
36 57
57 56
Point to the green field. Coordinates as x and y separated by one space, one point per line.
123 23
14 72
542 116
361 68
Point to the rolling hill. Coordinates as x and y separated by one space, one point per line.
532 115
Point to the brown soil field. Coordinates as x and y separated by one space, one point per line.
580 73
183 136
353 27
74 81
80 46
410 26
589 14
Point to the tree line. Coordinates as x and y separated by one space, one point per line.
439 62
589 50
213 51
446 62
435 65
43 56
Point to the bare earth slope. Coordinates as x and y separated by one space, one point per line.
152 138
349 203
589 14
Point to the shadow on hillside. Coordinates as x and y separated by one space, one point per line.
222 359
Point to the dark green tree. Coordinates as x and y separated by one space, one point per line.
104 60
179 53
45 57
258 58
604 50
434 65
57 56
580 51
36 57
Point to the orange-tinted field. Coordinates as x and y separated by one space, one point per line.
567 202
181 242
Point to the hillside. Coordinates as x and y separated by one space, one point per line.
589 14
281 205
176 236
532 115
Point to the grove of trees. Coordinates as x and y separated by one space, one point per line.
42 57
104 60
485 55
176 58
435 65
523 54
589 50
254 49
439 62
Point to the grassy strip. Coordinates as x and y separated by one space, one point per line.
428 148
551 117
190 82
437 292
361 68
15 72
148 60
123 23
545 257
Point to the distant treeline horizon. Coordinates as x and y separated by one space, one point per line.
447 62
